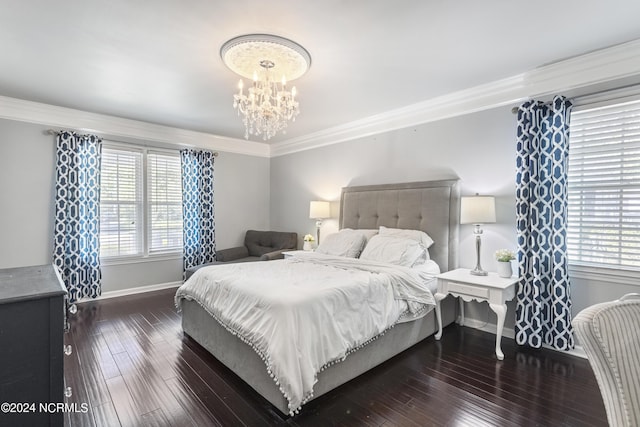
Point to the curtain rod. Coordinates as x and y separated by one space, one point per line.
104 136
587 97
514 110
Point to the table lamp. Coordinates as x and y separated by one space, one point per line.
477 210
319 210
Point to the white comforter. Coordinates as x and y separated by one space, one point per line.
305 313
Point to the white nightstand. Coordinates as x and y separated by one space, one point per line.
290 254
492 288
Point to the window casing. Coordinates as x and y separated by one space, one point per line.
140 202
604 185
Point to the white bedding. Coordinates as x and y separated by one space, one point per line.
305 313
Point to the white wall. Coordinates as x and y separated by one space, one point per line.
27 182
478 148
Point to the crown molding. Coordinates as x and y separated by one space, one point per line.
455 104
598 67
110 127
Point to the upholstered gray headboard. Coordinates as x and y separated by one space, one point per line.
430 206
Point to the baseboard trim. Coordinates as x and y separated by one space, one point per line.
578 351
131 291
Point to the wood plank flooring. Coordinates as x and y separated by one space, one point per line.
132 366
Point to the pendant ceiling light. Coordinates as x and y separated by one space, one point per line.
271 62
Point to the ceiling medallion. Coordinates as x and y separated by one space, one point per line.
271 62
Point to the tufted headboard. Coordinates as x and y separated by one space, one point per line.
430 206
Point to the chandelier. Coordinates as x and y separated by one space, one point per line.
268 105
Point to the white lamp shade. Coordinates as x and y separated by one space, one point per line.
319 210
477 210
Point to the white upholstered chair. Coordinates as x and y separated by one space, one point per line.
610 335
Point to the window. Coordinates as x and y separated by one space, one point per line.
140 202
604 184
165 202
120 203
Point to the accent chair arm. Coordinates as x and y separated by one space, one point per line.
231 254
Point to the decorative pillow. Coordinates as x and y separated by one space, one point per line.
394 250
417 235
346 242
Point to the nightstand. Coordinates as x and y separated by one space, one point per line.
492 288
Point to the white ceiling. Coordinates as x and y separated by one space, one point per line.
158 60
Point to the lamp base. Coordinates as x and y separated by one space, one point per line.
318 225
477 272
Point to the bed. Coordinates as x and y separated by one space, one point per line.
428 206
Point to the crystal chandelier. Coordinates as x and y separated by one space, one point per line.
271 61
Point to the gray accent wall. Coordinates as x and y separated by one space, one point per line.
27 184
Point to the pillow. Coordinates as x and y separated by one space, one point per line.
394 250
417 235
347 242
368 233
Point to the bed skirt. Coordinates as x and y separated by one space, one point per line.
245 362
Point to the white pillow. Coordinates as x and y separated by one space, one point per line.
417 235
394 250
368 233
347 243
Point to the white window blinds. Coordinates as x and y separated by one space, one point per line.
164 202
604 185
120 203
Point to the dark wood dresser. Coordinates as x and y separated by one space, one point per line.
32 323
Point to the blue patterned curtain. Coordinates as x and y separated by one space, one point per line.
197 208
543 312
76 250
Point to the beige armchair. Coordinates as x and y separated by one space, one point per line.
610 335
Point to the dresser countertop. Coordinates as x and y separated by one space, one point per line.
25 283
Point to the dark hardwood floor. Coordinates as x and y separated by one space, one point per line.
132 366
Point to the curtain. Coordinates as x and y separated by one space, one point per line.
543 311
197 208
76 251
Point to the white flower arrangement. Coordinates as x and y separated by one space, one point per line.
505 255
309 238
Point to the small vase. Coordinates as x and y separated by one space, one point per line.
307 246
504 269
